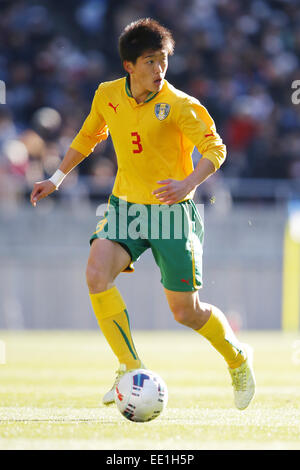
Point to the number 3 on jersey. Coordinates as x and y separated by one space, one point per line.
136 142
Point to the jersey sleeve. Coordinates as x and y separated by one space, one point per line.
195 122
93 130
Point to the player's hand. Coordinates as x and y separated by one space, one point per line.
41 190
172 191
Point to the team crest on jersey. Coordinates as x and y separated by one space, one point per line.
162 111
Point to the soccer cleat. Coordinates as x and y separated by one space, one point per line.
109 397
243 380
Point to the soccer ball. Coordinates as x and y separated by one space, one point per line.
141 395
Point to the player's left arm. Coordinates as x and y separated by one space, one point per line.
195 122
173 191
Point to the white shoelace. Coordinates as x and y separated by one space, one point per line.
239 380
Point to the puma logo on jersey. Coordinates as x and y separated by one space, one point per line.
114 107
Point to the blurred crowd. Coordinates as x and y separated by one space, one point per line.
239 58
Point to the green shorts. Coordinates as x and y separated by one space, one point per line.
174 233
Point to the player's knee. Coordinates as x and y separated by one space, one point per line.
193 316
182 315
97 280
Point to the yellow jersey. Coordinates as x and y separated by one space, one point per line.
153 140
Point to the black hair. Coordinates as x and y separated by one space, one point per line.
142 35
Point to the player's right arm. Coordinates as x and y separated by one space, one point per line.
94 130
44 188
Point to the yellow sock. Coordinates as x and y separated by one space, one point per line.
110 311
219 333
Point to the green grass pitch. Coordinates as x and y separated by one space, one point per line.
52 383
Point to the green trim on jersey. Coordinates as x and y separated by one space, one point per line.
149 97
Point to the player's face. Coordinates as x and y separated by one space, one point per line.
149 71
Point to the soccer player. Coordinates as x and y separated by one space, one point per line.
154 128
